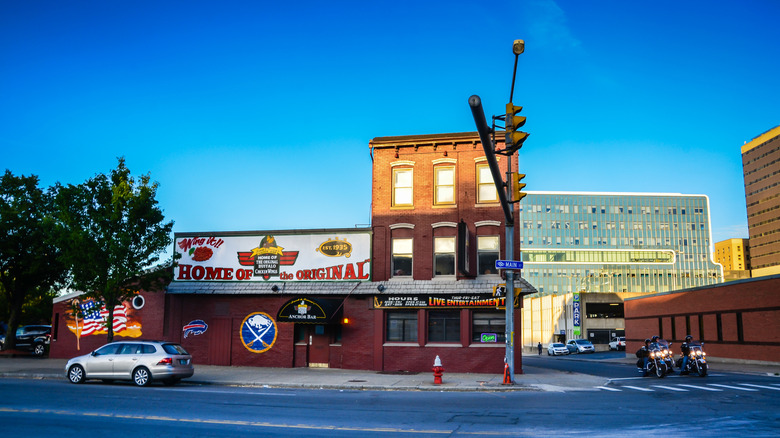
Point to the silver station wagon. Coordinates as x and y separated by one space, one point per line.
139 361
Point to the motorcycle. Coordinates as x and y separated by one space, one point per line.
697 360
656 362
668 356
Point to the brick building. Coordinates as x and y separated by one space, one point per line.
761 170
438 229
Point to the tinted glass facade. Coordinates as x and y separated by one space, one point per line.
605 242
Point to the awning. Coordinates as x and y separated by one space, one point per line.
304 310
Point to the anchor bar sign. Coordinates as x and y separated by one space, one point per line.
509 264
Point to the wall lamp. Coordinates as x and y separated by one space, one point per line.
381 288
275 288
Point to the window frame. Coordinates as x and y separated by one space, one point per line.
393 254
396 188
448 318
437 254
437 185
497 251
404 316
481 184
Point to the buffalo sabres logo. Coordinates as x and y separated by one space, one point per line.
196 327
258 332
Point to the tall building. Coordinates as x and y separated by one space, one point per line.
734 256
616 242
761 169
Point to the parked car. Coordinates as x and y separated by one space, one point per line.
34 338
556 349
618 343
580 346
139 361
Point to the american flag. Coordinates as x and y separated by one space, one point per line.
95 320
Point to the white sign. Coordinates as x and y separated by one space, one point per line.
338 256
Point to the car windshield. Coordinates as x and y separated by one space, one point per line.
582 342
558 345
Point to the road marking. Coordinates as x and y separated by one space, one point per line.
639 388
732 387
608 388
700 387
670 388
760 386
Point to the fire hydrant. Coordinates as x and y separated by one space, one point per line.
438 370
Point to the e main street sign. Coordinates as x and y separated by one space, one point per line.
509 264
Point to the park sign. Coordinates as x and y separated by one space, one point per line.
329 255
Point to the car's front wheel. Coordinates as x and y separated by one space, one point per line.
142 377
76 374
39 349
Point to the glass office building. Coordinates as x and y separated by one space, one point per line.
616 242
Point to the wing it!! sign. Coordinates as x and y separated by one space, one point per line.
337 256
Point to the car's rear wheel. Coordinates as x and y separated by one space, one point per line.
142 377
76 374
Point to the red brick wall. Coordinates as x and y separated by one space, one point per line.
755 301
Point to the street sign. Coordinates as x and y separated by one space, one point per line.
509 264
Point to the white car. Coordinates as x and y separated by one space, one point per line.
556 349
618 343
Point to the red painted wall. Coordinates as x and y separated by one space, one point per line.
737 320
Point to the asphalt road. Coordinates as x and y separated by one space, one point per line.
32 408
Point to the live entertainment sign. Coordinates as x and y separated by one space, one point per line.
471 301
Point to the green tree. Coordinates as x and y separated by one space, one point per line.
29 258
112 233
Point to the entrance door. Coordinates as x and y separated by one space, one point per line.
219 342
319 346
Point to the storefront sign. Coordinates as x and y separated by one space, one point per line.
338 256
440 301
310 311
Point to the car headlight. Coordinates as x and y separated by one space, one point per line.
698 353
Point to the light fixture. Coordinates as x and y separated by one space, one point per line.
381 288
275 288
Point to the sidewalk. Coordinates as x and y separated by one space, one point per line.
533 379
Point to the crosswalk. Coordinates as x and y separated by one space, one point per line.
687 387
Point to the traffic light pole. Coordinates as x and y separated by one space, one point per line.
504 193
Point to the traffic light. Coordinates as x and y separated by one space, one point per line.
514 138
518 186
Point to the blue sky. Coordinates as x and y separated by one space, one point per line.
257 115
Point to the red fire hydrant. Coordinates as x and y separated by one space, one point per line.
438 370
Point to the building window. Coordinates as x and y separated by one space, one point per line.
401 326
486 188
444 255
487 254
402 257
488 322
402 187
444 185
444 326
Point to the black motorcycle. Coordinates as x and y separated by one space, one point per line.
656 362
666 353
697 360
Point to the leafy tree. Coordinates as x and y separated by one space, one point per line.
29 258
111 234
